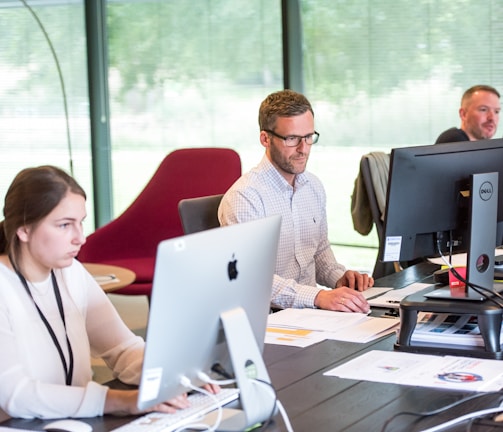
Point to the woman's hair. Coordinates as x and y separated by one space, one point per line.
32 195
283 103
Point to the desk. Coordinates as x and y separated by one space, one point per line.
125 276
319 403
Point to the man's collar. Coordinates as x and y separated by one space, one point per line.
300 179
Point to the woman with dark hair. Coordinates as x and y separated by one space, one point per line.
53 314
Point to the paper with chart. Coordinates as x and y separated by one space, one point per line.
299 326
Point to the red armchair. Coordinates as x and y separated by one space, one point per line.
131 239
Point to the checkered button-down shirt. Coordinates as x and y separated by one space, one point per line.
305 257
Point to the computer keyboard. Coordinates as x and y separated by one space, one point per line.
200 405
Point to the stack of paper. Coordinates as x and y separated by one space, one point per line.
303 327
448 329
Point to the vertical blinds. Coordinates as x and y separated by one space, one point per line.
397 68
33 127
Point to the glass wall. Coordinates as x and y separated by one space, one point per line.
386 74
187 73
43 69
182 73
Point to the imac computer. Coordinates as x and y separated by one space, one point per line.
446 198
210 301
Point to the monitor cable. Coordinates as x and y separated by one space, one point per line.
444 409
483 291
470 416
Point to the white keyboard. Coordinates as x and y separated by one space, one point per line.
200 405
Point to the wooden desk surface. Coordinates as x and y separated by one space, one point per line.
319 403
110 277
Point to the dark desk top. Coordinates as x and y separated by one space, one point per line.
320 403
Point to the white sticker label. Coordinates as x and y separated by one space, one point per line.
392 248
150 384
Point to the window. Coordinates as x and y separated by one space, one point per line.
389 74
33 126
183 73
187 74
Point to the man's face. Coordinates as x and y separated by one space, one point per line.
289 161
480 115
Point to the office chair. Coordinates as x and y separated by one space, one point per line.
131 239
199 214
369 201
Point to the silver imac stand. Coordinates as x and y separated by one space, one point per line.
256 399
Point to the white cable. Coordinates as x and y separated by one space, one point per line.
277 402
204 377
444 259
448 424
187 383
284 415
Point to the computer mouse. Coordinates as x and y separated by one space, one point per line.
68 425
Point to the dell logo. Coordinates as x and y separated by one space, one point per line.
486 191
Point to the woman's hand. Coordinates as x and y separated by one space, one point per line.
123 402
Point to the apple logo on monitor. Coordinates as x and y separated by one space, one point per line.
232 270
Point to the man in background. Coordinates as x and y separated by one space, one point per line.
479 114
280 185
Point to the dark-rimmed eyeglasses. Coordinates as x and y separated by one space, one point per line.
295 140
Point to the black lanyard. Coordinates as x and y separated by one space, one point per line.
68 368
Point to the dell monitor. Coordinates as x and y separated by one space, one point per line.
210 300
444 197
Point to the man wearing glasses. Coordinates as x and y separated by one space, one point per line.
280 185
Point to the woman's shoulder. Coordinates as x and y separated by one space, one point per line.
5 267
75 276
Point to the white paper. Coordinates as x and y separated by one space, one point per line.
293 337
366 331
303 327
392 298
448 329
452 372
314 319
374 292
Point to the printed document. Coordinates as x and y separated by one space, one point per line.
450 372
392 298
448 329
299 326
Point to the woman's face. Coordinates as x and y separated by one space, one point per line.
56 240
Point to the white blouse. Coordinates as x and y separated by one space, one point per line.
32 377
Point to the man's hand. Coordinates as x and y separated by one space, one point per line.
342 299
355 280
